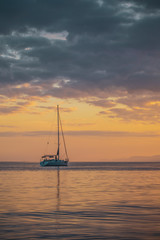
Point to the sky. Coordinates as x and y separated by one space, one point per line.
98 59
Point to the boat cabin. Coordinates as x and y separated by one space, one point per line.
49 157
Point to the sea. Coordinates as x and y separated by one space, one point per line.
87 200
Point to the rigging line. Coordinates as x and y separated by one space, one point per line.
63 138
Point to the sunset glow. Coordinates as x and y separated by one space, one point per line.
106 80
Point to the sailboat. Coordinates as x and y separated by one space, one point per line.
55 160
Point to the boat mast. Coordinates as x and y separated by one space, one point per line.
58 129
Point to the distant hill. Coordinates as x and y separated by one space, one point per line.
155 158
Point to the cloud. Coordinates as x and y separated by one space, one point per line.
4 110
82 133
141 106
28 105
149 4
114 48
143 115
13 105
105 103
7 126
66 110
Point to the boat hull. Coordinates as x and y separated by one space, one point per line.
54 163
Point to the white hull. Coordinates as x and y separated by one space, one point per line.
54 163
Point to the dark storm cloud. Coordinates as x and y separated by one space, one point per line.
150 4
74 48
57 15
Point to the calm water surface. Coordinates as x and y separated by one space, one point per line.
83 201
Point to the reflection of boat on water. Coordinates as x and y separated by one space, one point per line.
54 160
57 211
58 189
